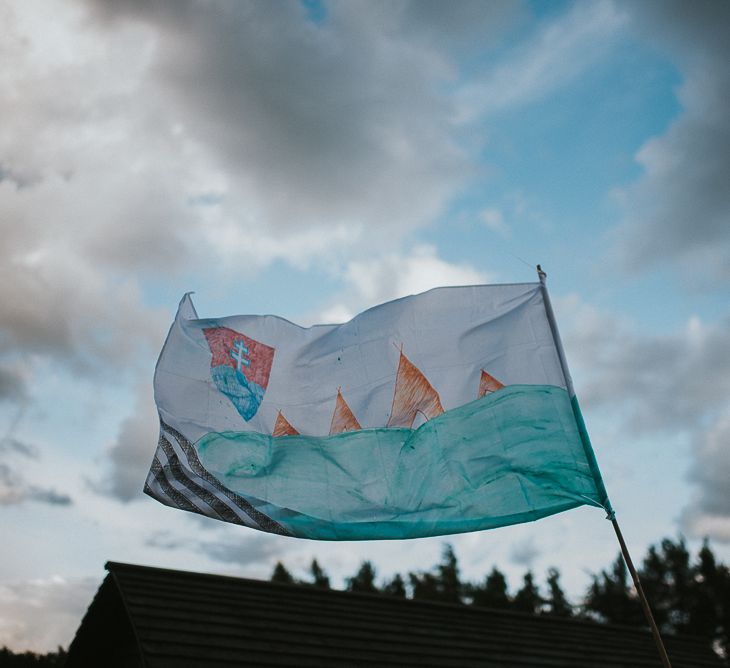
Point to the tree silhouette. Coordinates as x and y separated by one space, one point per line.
528 598
443 584
609 598
557 604
319 577
686 596
396 587
364 580
10 659
492 593
282 575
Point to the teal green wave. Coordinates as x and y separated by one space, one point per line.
513 456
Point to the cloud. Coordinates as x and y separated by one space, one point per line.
17 457
675 383
394 275
13 384
679 209
13 445
15 490
663 382
128 459
327 132
561 50
524 553
709 512
233 548
74 223
41 615
494 220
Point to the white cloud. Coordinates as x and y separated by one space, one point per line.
664 382
675 384
562 50
679 209
494 220
395 275
41 615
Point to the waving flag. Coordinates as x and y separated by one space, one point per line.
443 412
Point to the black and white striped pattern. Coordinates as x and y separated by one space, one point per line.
178 479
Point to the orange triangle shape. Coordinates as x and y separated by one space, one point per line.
488 384
343 418
283 427
413 394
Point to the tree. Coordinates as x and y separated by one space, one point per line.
557 604
396 587
32 660
492 593
609 599
364 580
448 571
319 577
282 575
710 599
528 598
443 584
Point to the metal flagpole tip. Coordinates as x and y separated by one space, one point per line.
541 274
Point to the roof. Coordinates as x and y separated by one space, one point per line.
155 617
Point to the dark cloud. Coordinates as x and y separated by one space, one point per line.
338 123
679 210
12 384
128 459
672 384
155 137
524 553
709 512
15 490
13 445
237 548
660 382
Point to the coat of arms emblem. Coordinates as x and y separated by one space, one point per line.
240 368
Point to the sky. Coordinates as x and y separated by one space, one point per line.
312 159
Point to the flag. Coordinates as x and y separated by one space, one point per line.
439 413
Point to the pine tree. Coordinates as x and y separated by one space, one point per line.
492 593
557 604
528 598
448 571
282 575
396 587
364 580
319 577
609 599
443 584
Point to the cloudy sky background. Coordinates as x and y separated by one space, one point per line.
311 159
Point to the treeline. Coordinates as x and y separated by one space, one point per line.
688 596
9 659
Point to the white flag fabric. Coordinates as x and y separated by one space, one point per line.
438 413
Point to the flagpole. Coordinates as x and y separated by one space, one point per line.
640 591
611 515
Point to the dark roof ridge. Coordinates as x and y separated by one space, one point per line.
114 566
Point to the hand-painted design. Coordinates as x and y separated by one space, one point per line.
204 494
240 368
488 384
343 418
283 427
413 394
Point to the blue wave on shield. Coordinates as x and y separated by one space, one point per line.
244 394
